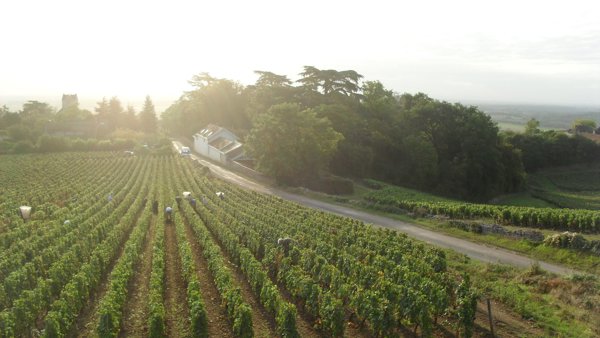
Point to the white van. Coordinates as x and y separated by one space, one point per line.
185 151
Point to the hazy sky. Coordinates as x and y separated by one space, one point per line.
545 52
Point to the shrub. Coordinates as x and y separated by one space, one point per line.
332 185
23 147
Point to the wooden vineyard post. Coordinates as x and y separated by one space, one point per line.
489 307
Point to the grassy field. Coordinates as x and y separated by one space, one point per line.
576 187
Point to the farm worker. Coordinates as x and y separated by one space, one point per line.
178 199
204 200
168 212
110 197
193 202
285 244
155 207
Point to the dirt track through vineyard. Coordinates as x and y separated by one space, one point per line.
218 326
178 315
263 325
135 313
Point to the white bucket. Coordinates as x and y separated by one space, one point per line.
25 211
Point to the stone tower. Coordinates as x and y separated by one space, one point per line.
69 101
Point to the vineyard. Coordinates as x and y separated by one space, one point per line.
95 259
578 220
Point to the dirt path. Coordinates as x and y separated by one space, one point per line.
177 312
218 326
476 251
506 323
135 314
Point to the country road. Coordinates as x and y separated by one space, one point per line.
473 250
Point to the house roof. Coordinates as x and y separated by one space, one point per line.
211 129
231 147
221 143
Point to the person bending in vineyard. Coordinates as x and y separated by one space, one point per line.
168 214
285 244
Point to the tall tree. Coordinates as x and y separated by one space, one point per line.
532 127
218 101
148 120
36 109
292 144
330 81
270 89
102 108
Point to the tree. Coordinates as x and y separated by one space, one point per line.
532 127
469 159
114 106
583 126
330 81
130 119
37 110
8 118
218 101
292 144
102 108
269 79
148 120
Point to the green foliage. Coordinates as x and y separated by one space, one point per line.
23 147
584 126
330 81
466 306
48 143
292 144
148 120
218 101
19 132
395 199
552 148
532 127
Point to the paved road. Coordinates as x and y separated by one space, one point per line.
476 251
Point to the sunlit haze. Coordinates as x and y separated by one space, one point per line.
543 52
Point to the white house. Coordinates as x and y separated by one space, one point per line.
218 144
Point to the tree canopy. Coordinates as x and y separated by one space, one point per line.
408 139
292 144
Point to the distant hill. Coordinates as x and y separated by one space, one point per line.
511 116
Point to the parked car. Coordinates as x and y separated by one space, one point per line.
185 151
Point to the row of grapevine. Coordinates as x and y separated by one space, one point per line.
44 251
111 306
238 311
198 316
396 282
83 257
20 232
329 273
156 308
586 221
267 293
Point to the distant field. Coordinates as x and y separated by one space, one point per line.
511 126
508 116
